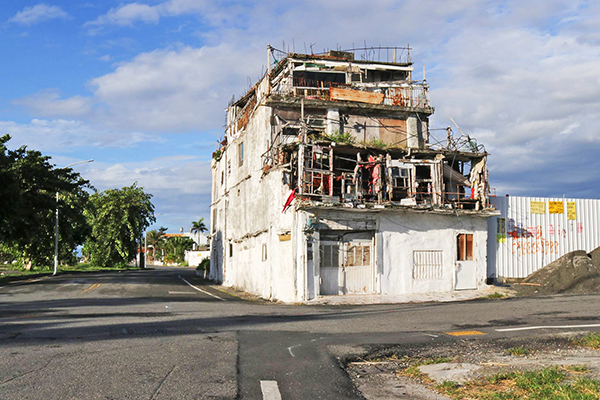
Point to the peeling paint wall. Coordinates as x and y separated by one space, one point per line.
397 236
401 234
247 251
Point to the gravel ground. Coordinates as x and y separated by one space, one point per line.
375 374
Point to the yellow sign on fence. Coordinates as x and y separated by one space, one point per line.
571 210
537 207
555 207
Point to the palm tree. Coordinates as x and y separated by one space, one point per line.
198 226
175 248
155 239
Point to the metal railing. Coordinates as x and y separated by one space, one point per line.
413 96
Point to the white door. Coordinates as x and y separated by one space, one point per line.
466 277
329 255
358 267
466 265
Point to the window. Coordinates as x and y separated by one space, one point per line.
214 220
222 176
230 249
428 264
464 247
358 255
241 153
330 255
264 252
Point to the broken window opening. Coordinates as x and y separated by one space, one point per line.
464 247
241 153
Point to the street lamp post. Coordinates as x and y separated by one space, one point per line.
56 225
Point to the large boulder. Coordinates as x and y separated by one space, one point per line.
574 273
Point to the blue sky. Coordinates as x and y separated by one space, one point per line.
141 87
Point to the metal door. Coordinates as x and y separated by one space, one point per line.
329 283
358 267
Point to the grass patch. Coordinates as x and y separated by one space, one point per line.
591 341
23 274
576 368
518 351
547 384
496 295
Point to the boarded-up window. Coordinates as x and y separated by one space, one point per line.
358 255
428 264
464 247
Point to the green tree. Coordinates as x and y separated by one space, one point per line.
28 187
175 248
155 239
198 226
118 218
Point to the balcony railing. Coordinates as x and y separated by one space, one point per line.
411 96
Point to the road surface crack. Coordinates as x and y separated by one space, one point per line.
155 394
27 373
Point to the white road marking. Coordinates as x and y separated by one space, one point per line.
200 290
531 328
171 292
429 334
291 347
270 390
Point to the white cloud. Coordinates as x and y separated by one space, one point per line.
162 91
180 185
62 135
48 103
128 14
38 13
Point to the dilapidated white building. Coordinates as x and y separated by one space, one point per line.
326 182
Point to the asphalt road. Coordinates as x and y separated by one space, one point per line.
152 335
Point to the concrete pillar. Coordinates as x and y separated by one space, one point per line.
333 121
414 133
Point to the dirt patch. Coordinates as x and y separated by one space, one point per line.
382 373
576 272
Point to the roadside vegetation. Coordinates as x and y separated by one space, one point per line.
551 383
109 224
164 249
502 369
591 341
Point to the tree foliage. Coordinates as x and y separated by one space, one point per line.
28 187
175 248
118 218
198 226
155 239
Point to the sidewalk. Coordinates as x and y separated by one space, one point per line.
460 295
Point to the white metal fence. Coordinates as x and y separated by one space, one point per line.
531 232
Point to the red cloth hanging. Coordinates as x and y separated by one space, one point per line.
290 198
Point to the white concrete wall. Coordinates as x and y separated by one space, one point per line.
401 233
248 215
396 235
193 258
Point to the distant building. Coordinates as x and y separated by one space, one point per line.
327 183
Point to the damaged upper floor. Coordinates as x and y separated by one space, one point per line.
335 79
359 149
